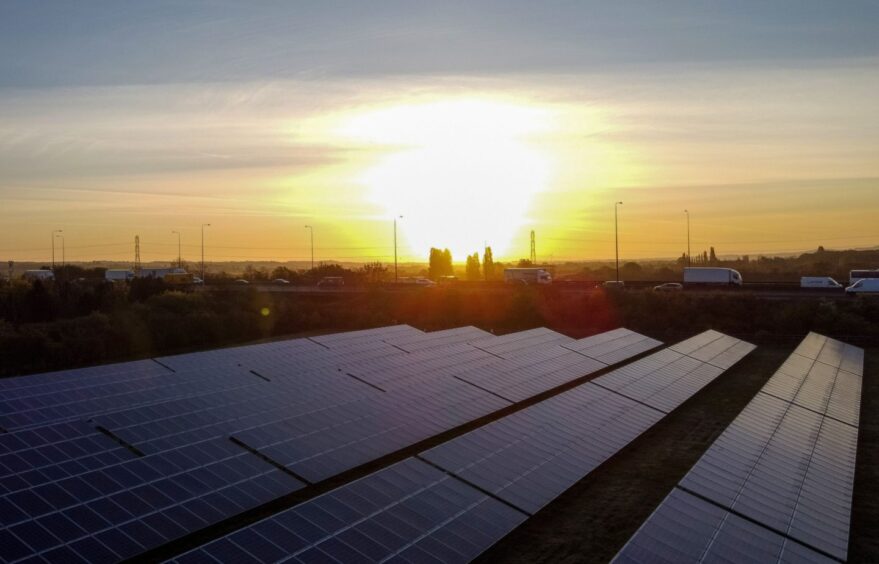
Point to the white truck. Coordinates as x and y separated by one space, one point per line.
861 274
118 275
825 282
864 286
712 276
527 276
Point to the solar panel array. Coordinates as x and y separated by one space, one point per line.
105 463
776 486
452 502
531 456
408 512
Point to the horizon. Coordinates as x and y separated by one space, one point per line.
474 126
305 263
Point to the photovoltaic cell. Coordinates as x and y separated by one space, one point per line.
776 486
530 457
416 342
105 463
409 512
521 343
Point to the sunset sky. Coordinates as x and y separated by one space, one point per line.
475 121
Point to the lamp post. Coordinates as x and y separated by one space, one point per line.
203 225
179 255
396 279
53 246
63 251
688 237
616 222
311 231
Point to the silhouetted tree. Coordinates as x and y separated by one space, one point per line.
488 264
439 263
283 272
374 272
447 263
712 257
473 267
525 263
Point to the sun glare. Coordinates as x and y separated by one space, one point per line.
461 173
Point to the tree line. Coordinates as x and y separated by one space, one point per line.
48 327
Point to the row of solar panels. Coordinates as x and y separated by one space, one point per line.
106 463
453 501
777 485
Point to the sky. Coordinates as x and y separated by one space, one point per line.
471 123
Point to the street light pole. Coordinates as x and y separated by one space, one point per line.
311 231
688 238
53 246
616 222
179 256
396 279
203 225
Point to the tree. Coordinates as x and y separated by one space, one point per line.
525 263
712 258
283 272
447 263
434 263
473 267
488 264
439 263
373 272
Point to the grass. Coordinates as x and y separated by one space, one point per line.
593 520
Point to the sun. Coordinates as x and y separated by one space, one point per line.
462 173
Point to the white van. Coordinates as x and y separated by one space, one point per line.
819 282
864 286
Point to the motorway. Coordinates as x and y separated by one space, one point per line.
769 291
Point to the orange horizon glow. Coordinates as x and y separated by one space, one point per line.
465 166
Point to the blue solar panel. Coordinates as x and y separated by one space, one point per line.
116 460
776 486
409 512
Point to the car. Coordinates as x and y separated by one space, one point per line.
280 281
669 287
197 280
614 285
426 282
241 281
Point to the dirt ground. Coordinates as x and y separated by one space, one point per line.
591 521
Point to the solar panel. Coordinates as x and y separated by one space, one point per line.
123 509
415 342
141 453
320 444
521 343
686 528
776 486
530 457
408 512
349 338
